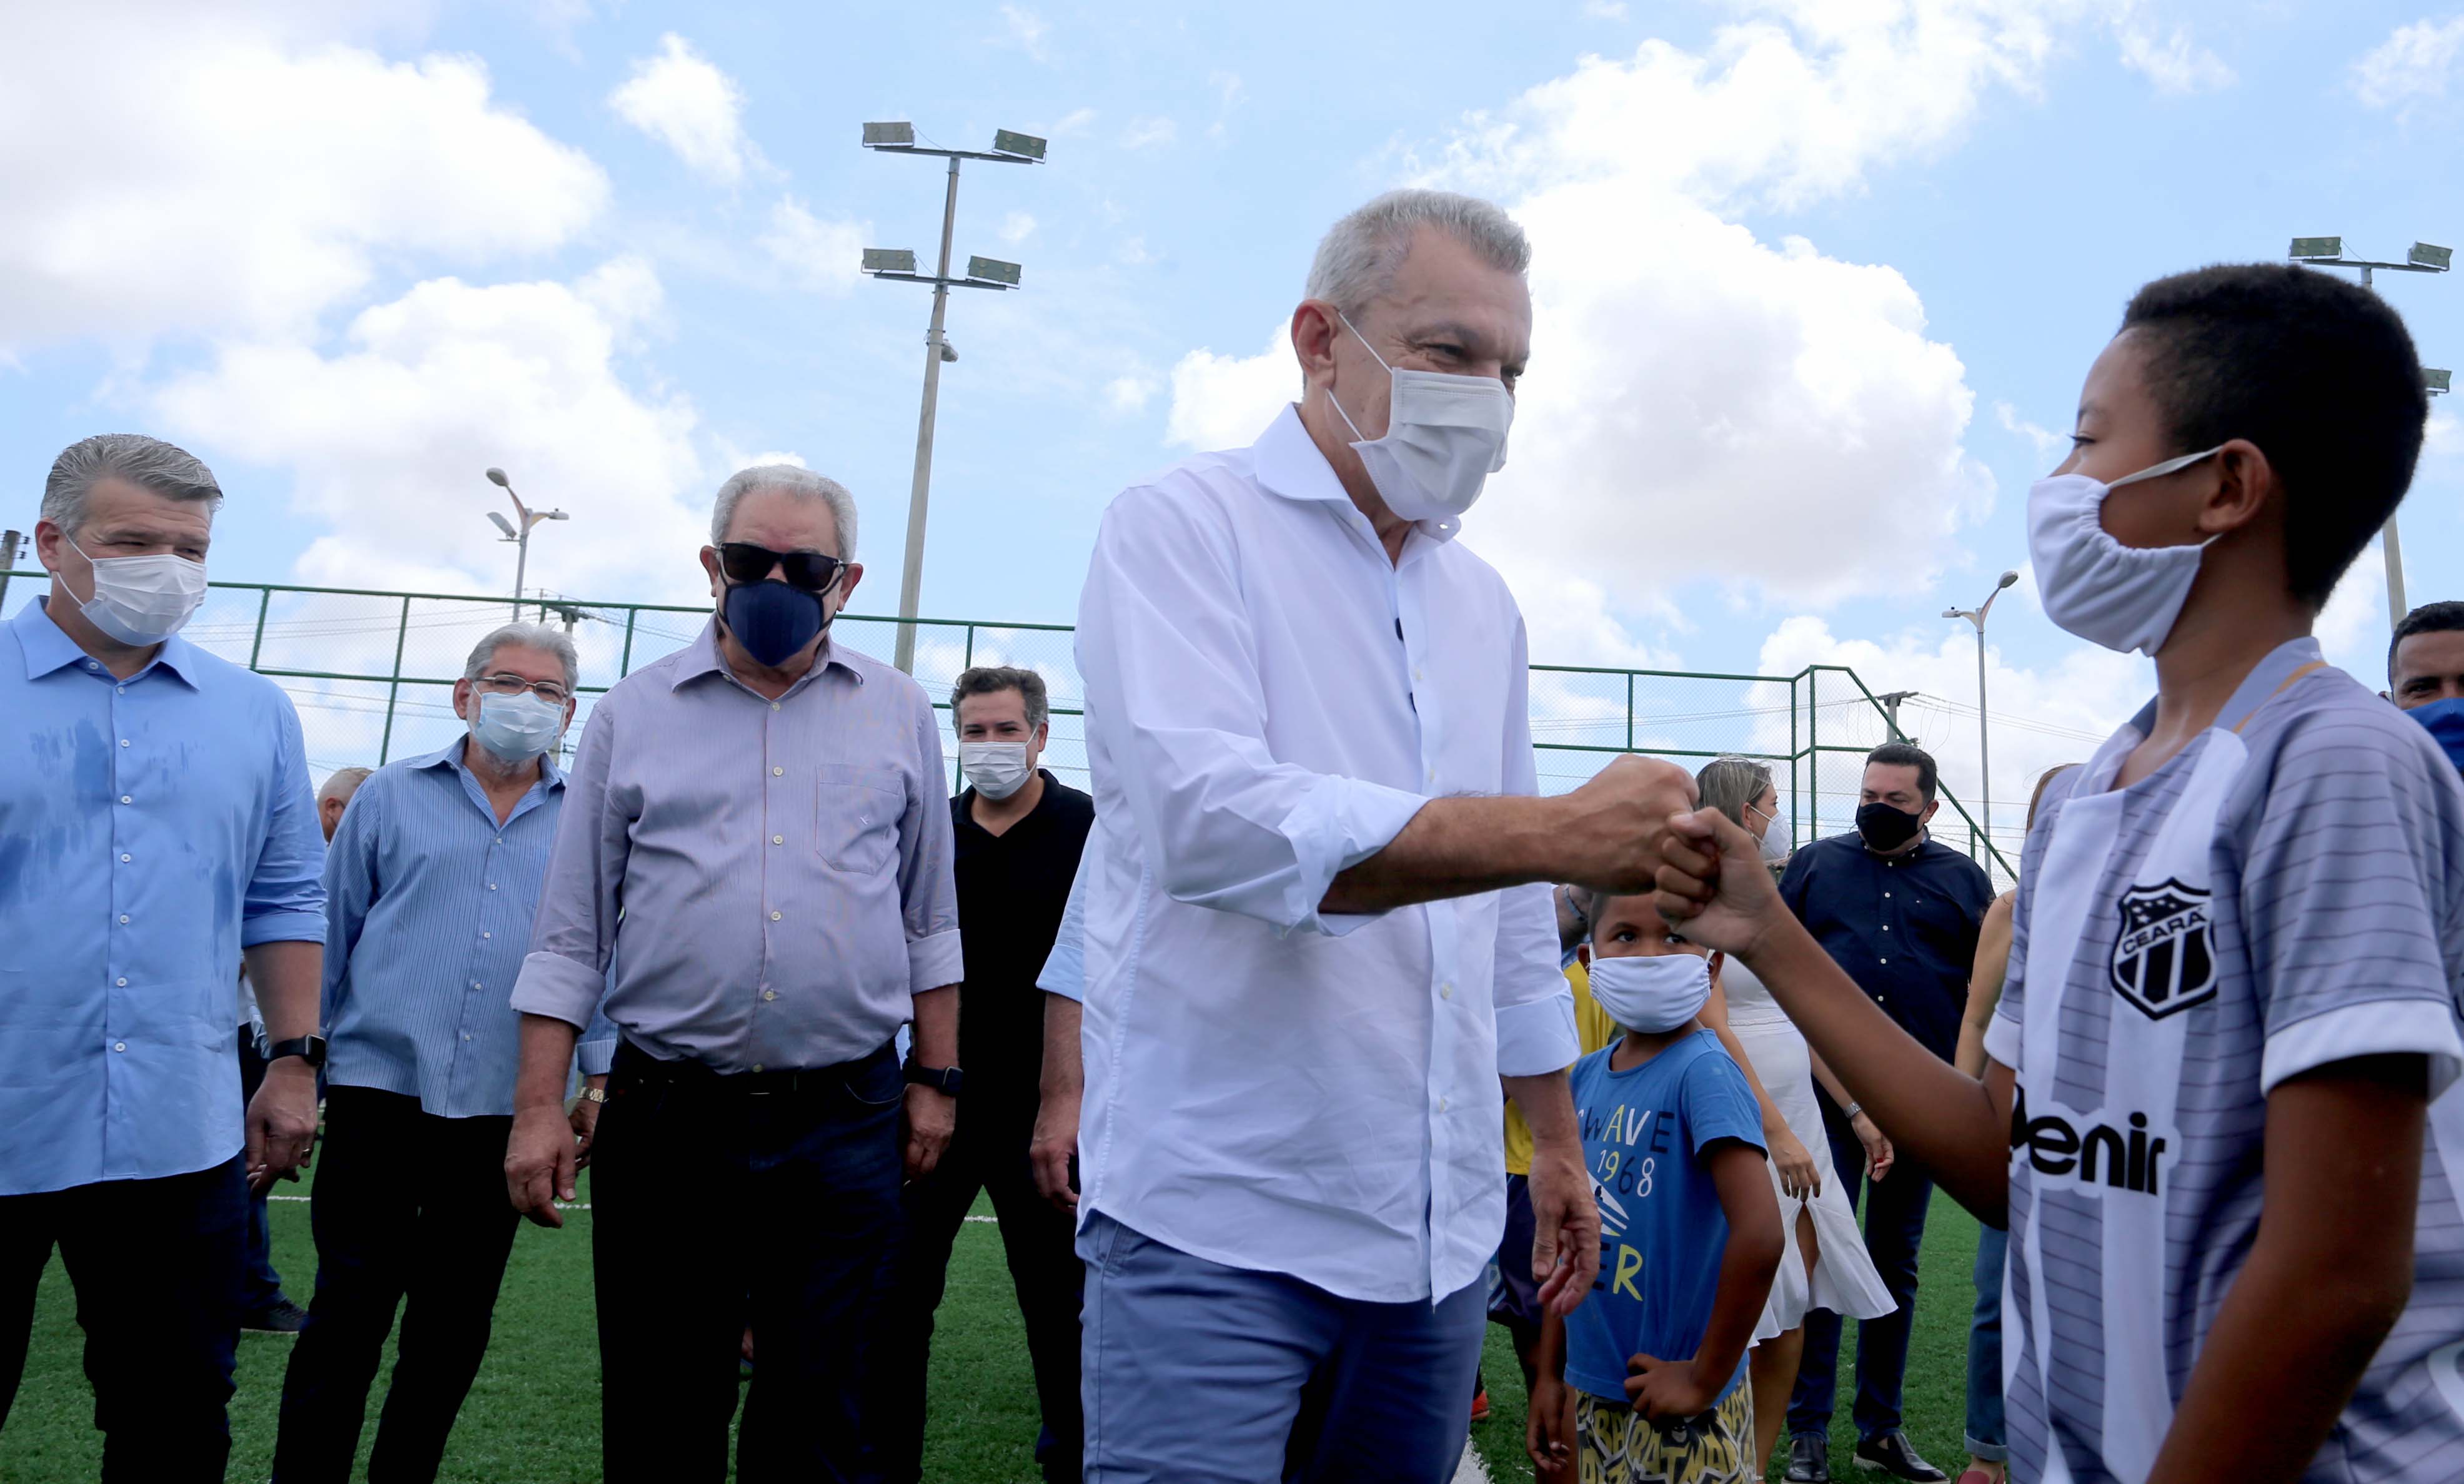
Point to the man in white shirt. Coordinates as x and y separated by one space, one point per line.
1318 930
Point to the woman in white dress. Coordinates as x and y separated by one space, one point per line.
1825 1266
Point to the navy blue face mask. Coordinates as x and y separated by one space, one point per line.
773 620
2445 720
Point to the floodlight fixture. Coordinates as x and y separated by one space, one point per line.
2317 249
2435 380
1008 142
2007 577
992 270
504 525
888 260
2429 255
893 135
496 476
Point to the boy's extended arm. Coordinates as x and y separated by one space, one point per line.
2327 1279
1548 1429
1683 1388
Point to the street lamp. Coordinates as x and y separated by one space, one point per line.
982 272
521 538
1984 757
2424 258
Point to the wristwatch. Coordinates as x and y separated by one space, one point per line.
945 1081
310 1049
1851 1111
592 1095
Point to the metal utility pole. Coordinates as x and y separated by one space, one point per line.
2424 258
1890 700
1984 753
10 541
521 540
982 272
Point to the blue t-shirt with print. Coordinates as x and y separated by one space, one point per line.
1663 1231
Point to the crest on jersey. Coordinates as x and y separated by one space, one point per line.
2162 959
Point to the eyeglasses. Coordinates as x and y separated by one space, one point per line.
547 690
745 562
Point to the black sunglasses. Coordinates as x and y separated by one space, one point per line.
745 562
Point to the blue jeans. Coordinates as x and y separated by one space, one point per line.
772 1198
260 1290
1895 1218
156 1267
1197 1373
1985 1438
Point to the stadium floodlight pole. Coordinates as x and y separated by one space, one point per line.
521 540
2424 258
1984 754
982 272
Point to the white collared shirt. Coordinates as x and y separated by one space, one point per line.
1269 700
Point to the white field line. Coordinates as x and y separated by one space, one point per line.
585 1205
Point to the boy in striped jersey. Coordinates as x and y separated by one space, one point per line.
2236 1250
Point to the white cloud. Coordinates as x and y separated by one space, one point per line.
822 257
685 102
1133 253
385 437
236 176
2044 440
1130 394
1149 133
1025 31
1075 121
1230 93
1225 402
1604 9
2415 62
2175 64
1017 227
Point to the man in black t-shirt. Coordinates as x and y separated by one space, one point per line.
1019 832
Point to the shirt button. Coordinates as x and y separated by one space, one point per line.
777 771
123 917
487 936
1417 673
769 994
774 706
1886 961
774 917
121 689
466 1035
123 741
1446 990
123 983
778 840
120 1045
1433 775
1886 926
1441 1105
756 1067
474 984
123 859
492 885
90 664
124 799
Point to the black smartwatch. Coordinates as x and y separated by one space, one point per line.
310 1049
945 1081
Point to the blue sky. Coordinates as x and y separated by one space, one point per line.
1815 281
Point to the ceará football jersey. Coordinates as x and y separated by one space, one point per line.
2286 892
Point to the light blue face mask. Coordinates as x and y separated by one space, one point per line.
517 728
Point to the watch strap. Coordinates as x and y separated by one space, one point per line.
310 1049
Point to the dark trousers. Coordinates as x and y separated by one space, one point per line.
409 1211
156 1266
1040 1242
773 1197
1895 1218
260 1287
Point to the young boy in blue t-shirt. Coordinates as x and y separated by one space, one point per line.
1646 1379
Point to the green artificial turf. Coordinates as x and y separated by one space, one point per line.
533 1416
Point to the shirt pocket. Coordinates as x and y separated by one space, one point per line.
856 817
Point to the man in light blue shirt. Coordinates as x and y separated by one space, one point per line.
432 879
156 826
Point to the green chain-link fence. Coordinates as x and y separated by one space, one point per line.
372 673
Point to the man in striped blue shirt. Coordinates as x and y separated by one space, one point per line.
432 878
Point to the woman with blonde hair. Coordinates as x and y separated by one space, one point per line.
1825 1266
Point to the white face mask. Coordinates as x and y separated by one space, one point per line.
143 600
2123 598
1444 436
997 769
517 728
1777 832
1652 995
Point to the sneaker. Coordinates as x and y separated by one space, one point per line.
1479 1405
1809 1459
1890 1453
285 1318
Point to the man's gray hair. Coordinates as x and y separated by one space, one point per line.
791 480
530 636
148 463
342 783
1358 257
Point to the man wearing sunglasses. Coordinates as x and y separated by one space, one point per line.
770 809
430 883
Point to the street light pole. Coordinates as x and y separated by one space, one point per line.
1984 738
982 272
2424 258
520 538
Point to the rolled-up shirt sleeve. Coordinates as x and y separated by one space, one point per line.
1174 695
595 1054
285 902
1536 1006
565 974
928 881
